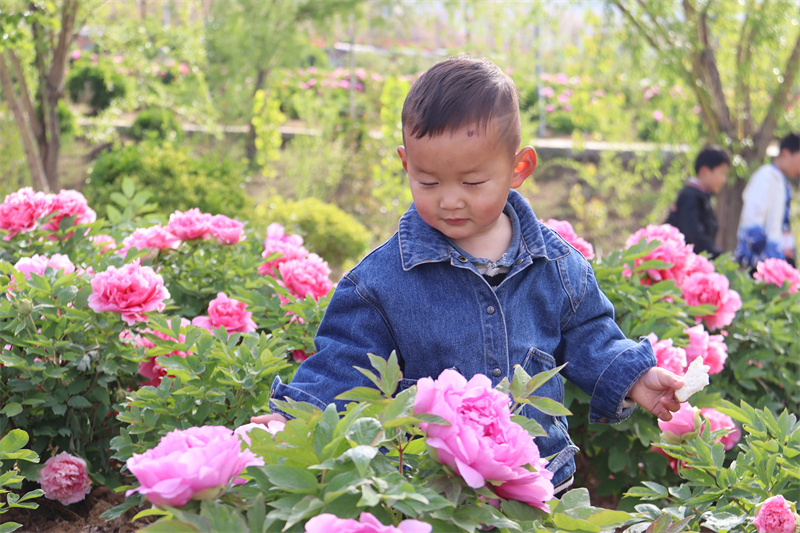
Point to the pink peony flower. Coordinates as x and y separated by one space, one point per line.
565 229
672 358
366 523
310 275
699 263
131 290
775 515
712 289
717 420
226 230
482 444
299 355
685 424
673 250
64 478
272 428
68 203
189 225
711 348
195 463
21 209
154 238
774 271
286 247
228 312
37 264
104 242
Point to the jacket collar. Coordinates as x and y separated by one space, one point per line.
420 243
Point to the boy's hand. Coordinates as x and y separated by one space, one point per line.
655 391
266 419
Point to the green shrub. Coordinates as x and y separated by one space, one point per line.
95 85
326 230
175 178
161 122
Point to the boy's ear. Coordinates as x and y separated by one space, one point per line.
525 165
401 151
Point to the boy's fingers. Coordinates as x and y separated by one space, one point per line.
266 419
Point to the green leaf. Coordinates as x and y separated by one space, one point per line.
13 441
366 431
11 409
574 524
361 457
291 479
547 406
171 526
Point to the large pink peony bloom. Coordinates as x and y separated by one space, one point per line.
21 209
310 275
228 312
154 238
699 263
64 478
482 444
717 420
131 290
673 250
565 229
68 203
775 515
712 289
195 463
226 230
189 225
711 348
285 247
37 264
685 424
366 523
672 358
774 271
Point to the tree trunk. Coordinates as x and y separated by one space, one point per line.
250 146
729 208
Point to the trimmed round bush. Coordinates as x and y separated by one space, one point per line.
160 123
95 85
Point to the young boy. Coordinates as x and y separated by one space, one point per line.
692 213
473 281
764 229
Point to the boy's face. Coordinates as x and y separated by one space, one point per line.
460 179
714 179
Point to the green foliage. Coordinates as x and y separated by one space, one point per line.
96 85
267 118
718 494
11 451
175 178
326 230
161 123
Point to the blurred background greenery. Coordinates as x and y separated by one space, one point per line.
289 110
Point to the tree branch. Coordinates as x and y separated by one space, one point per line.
711 73
25 95
640 26
744 120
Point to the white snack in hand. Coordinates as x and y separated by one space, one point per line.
695 379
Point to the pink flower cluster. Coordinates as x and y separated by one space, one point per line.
711 348
64 478
273 427
672 358
565 229
776 515
300 272
193 224
131 290
482 444
150 369
694 274
228 312
366 523
37 264
21 210
155 238
195 463
778 272
720 421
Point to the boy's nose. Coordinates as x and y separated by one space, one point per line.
451 201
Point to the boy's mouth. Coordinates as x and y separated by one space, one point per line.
455 221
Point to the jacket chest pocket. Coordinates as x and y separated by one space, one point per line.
537 361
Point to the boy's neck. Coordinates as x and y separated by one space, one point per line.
492 244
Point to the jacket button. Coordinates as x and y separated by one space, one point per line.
497 372
462 259
519 261
603 420
490 309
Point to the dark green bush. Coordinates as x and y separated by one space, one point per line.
158 122
327 230
95 85
175 177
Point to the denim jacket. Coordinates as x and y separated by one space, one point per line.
419 296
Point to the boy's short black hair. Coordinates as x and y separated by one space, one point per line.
461 91
790 142
711 156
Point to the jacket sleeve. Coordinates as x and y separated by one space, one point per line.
353 326
601 361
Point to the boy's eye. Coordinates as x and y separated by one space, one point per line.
428 184
474 183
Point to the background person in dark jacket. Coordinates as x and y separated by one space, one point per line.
692 213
